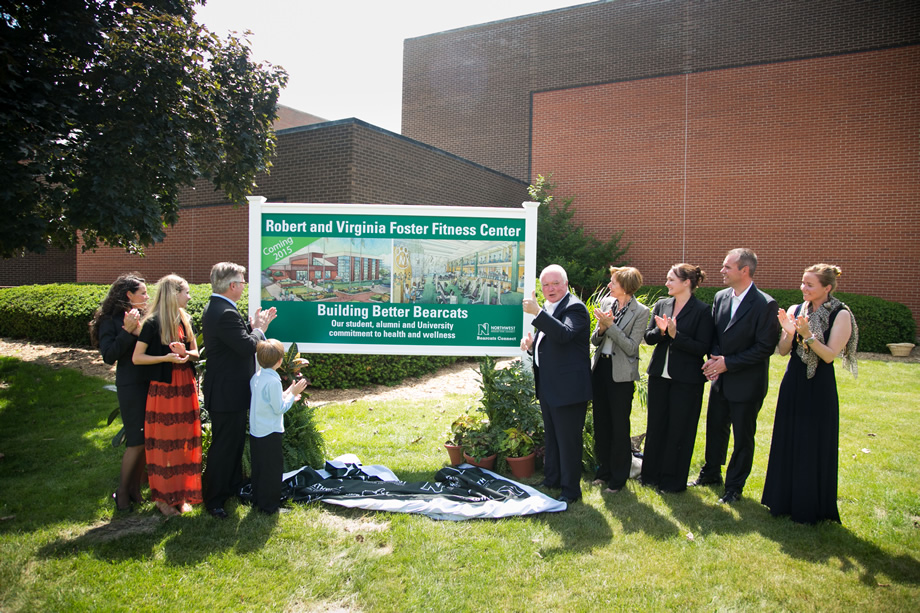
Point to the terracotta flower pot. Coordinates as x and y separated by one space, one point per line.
488 462
456 454
523 467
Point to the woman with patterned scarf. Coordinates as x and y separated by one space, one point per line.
801 476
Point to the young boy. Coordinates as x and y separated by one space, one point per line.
266 425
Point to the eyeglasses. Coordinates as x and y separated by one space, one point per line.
239 281
552 284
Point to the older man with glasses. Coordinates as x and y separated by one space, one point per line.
230 345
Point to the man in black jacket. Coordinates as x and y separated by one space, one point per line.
562 373
230 346
746 333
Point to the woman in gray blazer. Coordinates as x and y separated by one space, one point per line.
621 322
681 330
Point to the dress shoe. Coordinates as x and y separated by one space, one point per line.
218 512
120 507
568 500
706 480
729 497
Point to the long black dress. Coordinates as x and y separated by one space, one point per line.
801 476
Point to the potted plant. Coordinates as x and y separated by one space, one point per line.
458 430
518 448
479 448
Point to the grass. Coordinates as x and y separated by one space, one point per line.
62 550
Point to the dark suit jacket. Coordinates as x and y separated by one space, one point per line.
695 330
747 341
230 348
117 346
564 374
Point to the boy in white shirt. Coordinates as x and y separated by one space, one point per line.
266 425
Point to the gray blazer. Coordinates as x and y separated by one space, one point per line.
626 337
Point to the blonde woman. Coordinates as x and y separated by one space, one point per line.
172 428
801 476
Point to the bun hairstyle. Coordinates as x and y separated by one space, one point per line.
827 274
689 272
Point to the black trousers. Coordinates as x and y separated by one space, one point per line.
673 415
563 429
223 476
612 408
267 468
740 419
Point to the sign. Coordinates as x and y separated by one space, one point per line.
393 279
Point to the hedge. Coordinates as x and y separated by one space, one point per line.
61 314
880 321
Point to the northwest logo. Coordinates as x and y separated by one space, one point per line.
483 329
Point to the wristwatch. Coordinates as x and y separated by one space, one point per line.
808 341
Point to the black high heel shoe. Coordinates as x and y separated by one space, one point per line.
118 507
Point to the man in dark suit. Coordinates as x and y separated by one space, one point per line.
230 347
562 373
746 333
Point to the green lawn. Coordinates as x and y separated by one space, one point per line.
61 549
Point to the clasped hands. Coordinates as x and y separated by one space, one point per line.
132 322
667 325
714 367
792 325
604 319
261 319
179 354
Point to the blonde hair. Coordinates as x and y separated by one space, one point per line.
165 308
268 352
827 275
627 277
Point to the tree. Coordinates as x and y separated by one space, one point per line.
561 240
108 108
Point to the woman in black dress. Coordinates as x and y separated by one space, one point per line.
681 331
114 330
801 476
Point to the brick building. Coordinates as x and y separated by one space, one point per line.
346 161
697 126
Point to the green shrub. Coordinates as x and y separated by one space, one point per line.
331 370
61 313
54 313
880 321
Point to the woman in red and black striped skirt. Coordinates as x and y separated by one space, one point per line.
172 428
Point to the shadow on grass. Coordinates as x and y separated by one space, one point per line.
186 540
820 544
581 528
637 517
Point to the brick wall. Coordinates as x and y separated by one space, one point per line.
346 161
804 161
467 91
55 266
